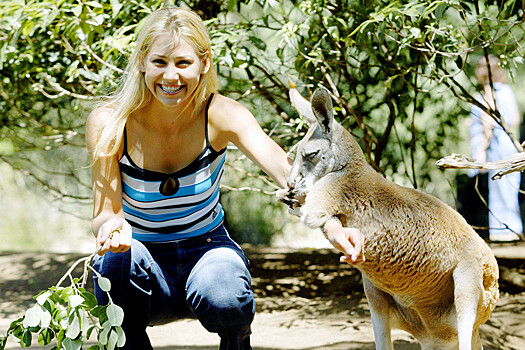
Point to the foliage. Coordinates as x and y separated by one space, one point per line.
69 315
399 72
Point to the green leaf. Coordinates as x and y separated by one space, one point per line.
115 7
121 336
98 310
71 344
260 44
90 301
231 5
73 329
32 316
440 10
89 331
94 4
75 300
45 336
103 335
113 338
115 314
26 339
60 337
45 319
16 323
77 10
104 284
42 297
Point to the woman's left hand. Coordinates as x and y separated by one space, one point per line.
349 241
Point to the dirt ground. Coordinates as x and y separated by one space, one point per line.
305 299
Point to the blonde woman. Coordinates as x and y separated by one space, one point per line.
158 147
489 142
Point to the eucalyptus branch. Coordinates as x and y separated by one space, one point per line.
247 188
61 91
413 127
259 177
277 83
381 144
96 57
71 173
514 163
42 182
494 113
264 92
70 314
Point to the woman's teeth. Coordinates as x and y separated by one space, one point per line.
170 89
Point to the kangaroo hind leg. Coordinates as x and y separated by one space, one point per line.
468 292
380 312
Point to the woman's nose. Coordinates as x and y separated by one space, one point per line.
171 73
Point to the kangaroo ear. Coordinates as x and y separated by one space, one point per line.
302 105
323 109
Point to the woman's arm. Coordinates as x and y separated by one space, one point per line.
240 127
234 123
113 232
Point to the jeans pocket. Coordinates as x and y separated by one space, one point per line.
140 278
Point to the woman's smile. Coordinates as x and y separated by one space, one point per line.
172 70
171 89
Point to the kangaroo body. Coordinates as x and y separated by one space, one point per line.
426 271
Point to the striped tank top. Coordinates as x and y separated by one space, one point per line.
164 207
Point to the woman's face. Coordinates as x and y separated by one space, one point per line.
172 71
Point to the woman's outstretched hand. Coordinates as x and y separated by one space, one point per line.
114 236
349 241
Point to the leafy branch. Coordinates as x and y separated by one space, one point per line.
69 316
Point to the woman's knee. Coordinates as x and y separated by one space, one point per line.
218 289
122 270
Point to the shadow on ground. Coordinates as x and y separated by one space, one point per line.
398 345
308 284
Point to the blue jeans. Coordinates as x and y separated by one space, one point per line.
205 277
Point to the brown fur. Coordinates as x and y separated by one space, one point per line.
426 271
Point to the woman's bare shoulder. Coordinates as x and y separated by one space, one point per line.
227 112
98 117
95 123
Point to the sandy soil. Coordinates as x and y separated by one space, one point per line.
305 300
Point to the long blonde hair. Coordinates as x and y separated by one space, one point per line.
133 93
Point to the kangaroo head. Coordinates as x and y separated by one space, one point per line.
322 150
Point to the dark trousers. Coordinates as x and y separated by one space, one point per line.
206 277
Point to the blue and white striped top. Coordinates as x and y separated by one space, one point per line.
164 207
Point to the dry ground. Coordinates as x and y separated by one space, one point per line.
305 300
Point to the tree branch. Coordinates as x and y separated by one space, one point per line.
514 163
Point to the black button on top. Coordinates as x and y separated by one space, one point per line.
169 186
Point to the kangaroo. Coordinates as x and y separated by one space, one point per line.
426 271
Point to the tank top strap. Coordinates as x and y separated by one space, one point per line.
125 151
208 103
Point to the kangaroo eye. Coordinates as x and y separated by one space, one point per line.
311 155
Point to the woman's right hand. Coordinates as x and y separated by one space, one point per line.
114 236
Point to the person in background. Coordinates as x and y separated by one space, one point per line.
489 142
158 146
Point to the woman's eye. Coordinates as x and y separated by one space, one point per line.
159 61
184 63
